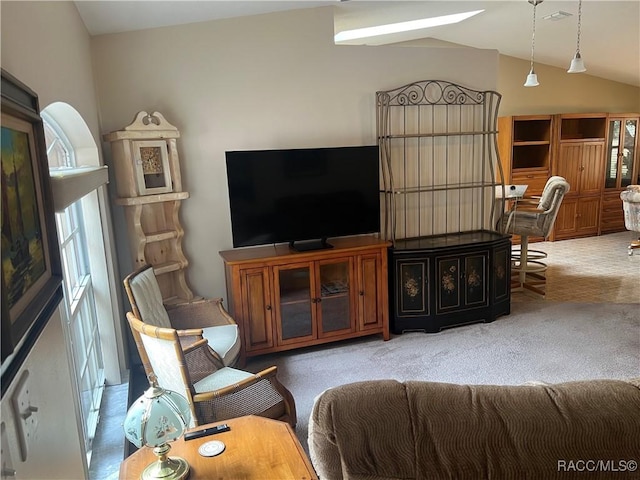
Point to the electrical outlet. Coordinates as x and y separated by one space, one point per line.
25 414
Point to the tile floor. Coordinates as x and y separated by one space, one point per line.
593 269
590 270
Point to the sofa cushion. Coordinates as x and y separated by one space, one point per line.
386 429
360 430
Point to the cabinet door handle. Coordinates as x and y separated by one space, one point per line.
268 307
362 293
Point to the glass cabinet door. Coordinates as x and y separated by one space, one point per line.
628 152
335 296
621 152
295 302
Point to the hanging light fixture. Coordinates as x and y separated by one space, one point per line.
532 78
577 64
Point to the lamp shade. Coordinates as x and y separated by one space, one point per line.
577 64
157 417
532 80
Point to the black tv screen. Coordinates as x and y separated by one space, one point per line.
279 196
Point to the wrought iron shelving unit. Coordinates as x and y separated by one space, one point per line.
440 174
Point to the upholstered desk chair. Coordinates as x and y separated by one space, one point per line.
533 217
214 393
201 318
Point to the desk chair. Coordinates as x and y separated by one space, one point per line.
533 217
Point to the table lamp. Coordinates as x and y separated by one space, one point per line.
159 416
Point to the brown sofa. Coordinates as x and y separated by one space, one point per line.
385 429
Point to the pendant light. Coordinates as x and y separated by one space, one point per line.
577 64
532 78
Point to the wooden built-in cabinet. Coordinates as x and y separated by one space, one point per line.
580 159
524 143
596 152
284 299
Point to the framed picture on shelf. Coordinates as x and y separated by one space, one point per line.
31 270
151 164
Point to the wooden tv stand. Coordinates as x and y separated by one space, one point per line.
284 299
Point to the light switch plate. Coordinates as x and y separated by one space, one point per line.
25 412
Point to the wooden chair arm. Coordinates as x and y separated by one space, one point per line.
191 332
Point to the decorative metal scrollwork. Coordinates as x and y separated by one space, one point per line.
431 92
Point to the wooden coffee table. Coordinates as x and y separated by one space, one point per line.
256 448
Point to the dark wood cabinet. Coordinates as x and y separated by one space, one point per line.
283 299
449 280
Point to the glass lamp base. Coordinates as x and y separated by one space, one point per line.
171 468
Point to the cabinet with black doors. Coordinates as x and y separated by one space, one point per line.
449 280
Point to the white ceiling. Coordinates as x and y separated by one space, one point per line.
610 38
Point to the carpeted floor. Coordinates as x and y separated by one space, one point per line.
547 341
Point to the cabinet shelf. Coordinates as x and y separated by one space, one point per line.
332 296
161 236
438 134
440 188
531 142
159 198
295 302
168 267
582 139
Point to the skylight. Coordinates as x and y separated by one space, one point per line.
403 26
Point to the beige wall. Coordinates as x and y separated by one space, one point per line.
270 81
560 92
45 45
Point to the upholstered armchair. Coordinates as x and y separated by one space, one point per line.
533 217
631 207
214 393
202 318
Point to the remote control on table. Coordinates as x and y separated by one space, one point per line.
207 431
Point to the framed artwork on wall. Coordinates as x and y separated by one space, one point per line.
31 270
151 161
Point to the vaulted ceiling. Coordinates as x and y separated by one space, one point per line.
610 30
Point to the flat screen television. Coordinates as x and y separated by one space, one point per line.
303 196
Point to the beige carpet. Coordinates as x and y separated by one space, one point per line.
547 341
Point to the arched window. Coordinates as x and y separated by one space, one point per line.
89 320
